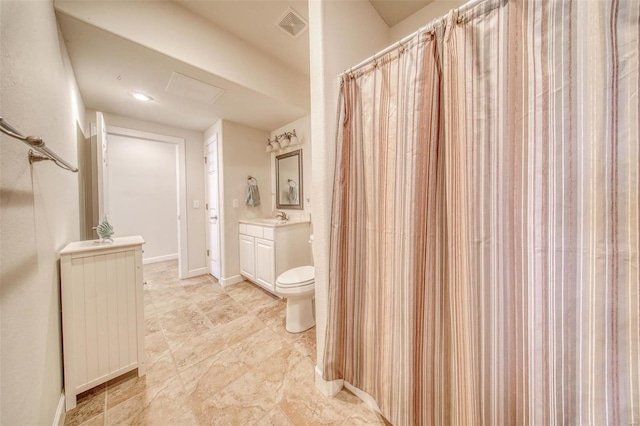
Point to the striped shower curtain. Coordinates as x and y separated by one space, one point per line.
486 220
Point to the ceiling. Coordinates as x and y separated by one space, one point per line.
108 67
107 74
395 11
255 23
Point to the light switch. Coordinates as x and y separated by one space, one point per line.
196 204
307 202
235 202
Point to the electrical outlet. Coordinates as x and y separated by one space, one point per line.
235 202
196 204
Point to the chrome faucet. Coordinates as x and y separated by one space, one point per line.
282 215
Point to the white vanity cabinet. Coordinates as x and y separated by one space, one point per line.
265 263
269 249
247 256
102 313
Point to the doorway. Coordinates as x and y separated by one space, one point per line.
213 210
147 192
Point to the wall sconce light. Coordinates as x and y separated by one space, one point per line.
282 141
293 139
276 143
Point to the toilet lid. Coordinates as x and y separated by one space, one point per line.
297 276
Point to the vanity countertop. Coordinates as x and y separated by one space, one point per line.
91 245
273 222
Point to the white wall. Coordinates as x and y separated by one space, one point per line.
433 10
241 153
302 127
341 34
38 209
143 194
195 180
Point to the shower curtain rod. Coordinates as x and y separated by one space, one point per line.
435 22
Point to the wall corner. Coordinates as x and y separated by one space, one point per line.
328 388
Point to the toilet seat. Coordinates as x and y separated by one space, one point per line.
296 277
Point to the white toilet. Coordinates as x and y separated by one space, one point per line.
298 286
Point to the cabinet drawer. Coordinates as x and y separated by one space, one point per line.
243 228
255 231
268 233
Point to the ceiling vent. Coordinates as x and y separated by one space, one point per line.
193 89
292 23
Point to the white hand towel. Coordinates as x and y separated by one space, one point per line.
253 195
293 194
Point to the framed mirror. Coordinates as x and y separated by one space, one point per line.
289 180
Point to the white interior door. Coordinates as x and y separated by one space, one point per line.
102 167
213 213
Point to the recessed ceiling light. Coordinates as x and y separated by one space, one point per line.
141 96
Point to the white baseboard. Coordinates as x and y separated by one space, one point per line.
226 282
160 258
196 272
330 388
61 412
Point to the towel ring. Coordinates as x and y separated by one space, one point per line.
251 178
292 183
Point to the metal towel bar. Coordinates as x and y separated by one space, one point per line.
37 144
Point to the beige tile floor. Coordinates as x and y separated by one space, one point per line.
218 356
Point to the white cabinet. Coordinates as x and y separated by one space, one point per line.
247 256
266 251
102 313
265 265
